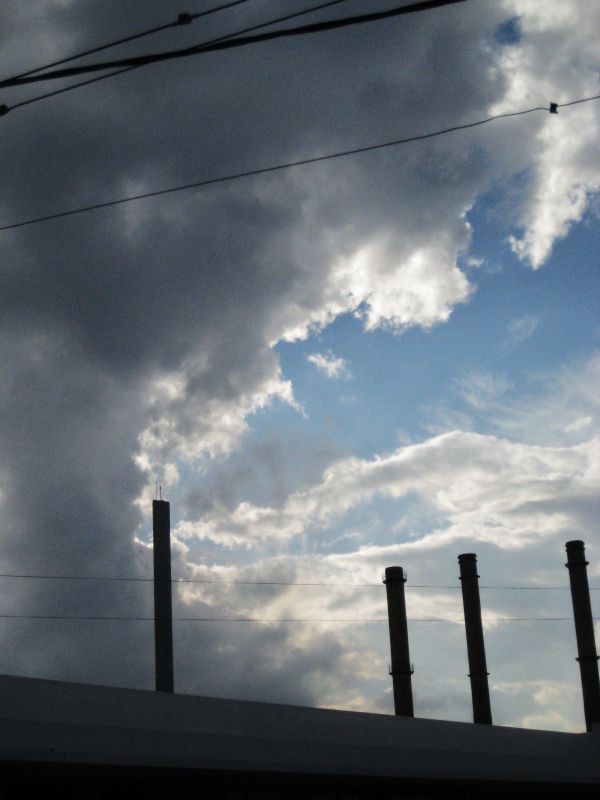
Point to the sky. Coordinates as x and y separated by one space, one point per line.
385 359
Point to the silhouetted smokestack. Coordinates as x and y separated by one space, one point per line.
401 669
478 673
163 622
584 630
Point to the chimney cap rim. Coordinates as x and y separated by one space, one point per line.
575 544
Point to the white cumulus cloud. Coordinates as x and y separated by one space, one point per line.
330 364
555 60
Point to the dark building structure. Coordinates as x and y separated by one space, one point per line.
96 741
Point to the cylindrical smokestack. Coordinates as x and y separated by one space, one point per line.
163 621
401 669
584 630
480 692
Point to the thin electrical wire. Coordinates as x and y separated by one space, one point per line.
151 58
583 100
36 99
182 19
338 585
258 26
455 620
183 580
279 167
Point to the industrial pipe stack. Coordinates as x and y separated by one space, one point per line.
401 669
478 674
584 631
163 616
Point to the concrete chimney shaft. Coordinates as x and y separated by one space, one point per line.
401 669
478 674
163 617
584 630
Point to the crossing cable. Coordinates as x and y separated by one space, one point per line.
151 58
4 109
182 19
226 582
288 165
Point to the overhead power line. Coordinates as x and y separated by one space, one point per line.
4 109
182 19
225 582
151 58
94 617
287 165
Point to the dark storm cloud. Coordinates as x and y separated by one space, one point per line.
95 307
